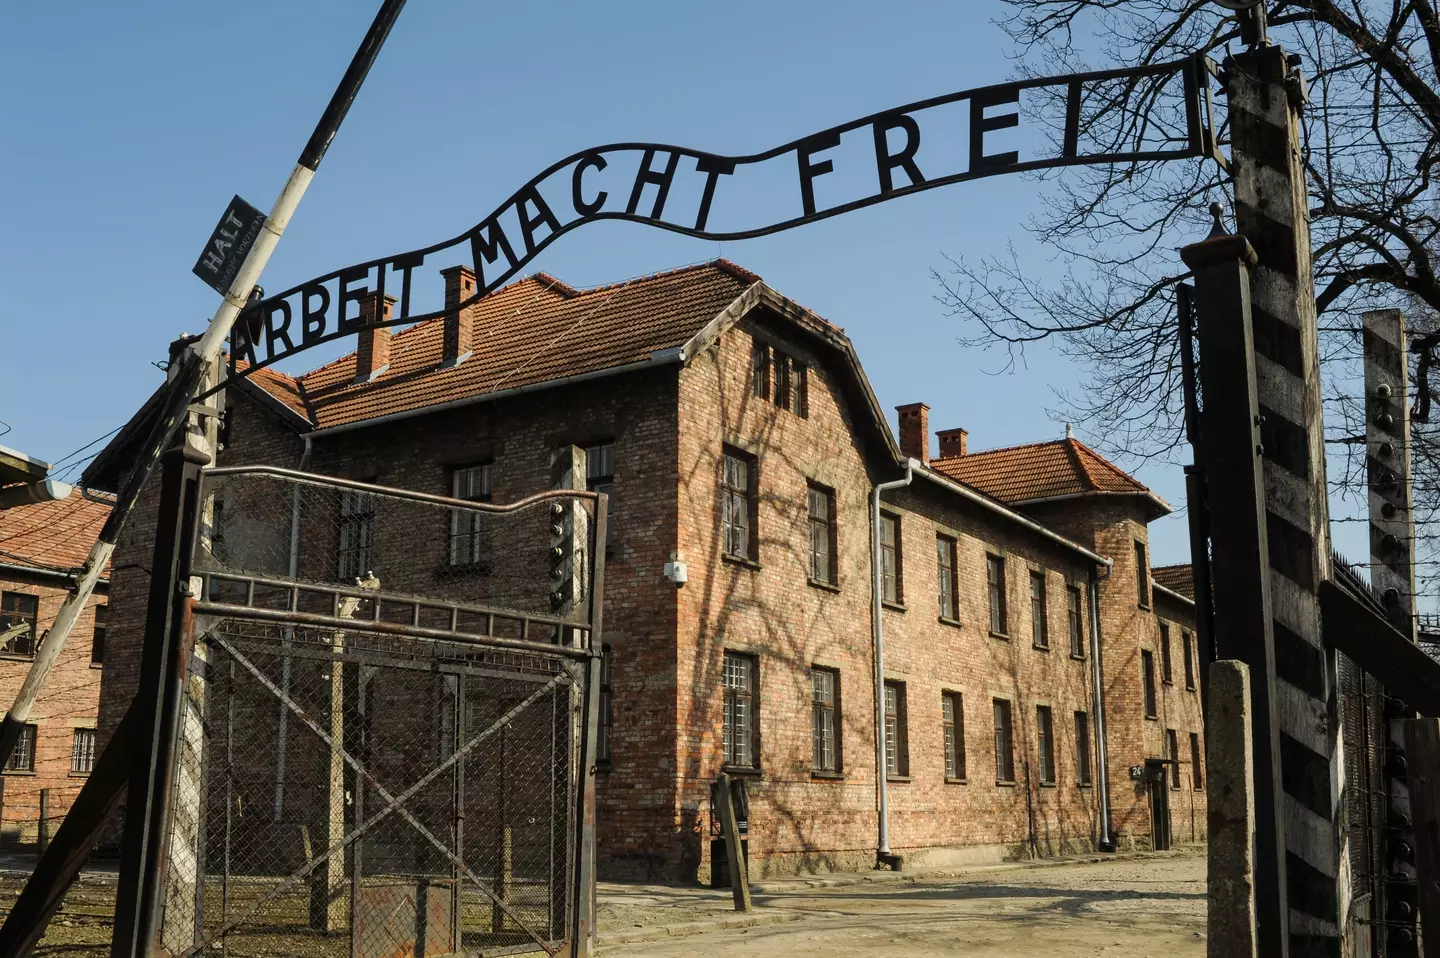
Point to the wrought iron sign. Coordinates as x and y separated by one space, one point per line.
909 149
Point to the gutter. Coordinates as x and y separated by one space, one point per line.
46 490
660 357
1105 841
1010 514
1150 496
47 573
1171 593
882 792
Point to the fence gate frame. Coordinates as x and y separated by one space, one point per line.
192 617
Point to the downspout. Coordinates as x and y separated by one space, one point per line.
289 638
1105 840
877 589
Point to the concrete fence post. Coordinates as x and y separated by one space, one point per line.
1229 761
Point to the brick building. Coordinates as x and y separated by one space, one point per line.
41 546
738 434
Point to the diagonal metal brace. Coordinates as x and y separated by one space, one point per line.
394 803
1380 649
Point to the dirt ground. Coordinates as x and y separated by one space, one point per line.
1150 905
1135 907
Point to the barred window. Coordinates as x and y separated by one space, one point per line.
97 640
995 574
824 699
892 588
1142 575
22 759
760 370
737 504
952 716
946 576
1197 776
18 614
792 384
82 751
822 535
607 721
467 529
1187 649
357 533
1045 739
1082 748
897 747
1004 742
600 477
740 728
1166 675
1077 621
1039 613
1147 675
1172 746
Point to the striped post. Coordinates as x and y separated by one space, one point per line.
1392 573
1266 95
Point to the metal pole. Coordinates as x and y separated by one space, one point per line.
1235 493
183 385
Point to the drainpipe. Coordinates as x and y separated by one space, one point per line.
1105 841
877 588
289 638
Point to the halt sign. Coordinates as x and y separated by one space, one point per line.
228 245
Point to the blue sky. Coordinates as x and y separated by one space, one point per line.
127 127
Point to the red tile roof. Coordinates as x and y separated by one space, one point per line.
1176 578
1043 470
56 536
533 331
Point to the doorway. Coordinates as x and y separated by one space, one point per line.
1159 804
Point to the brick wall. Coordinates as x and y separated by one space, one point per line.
69 701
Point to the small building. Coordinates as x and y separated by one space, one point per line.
42 545
1031 662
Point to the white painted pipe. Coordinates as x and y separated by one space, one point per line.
882 793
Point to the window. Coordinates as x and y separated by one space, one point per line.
468 529
1075 611
824 699
82 751
1166 675
737 505
822 535
1082 748
740 728
607 718
1004 743
892 588
952 711
995 573
760 370
946 576
97 641
897 747
18 613
1197 777
1142 575
1147 670
1187 650
792 381
1173 747
357 533
1039 627
1045 739
23 758
600 477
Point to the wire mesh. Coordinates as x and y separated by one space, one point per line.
378 750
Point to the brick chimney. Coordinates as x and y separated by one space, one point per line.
952 442
915 431
459 327
372 355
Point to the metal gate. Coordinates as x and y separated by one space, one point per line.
386 733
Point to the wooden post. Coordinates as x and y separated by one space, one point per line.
1265 95
734 856
1392 573
1230 928
1422 745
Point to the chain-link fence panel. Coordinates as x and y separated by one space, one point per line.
380 746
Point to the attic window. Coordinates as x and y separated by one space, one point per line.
775 374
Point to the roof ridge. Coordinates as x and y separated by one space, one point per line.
985 452
1073 448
